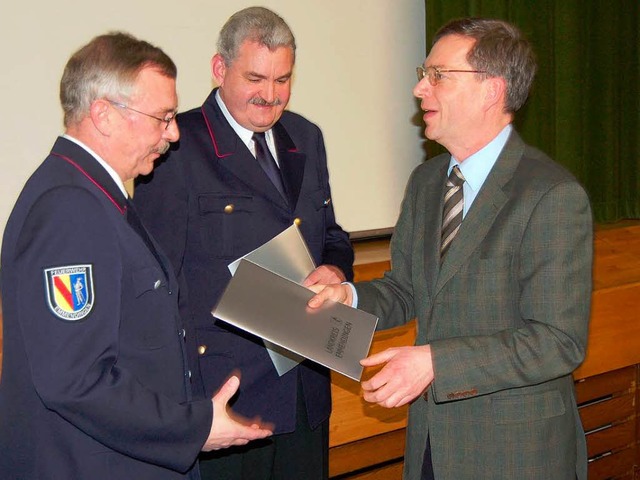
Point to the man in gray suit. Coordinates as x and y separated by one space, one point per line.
492 254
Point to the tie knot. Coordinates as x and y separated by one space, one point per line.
259 137
455 177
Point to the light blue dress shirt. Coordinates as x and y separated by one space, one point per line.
475 170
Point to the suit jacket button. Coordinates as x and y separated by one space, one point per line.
157 284
297 221
202 349
228 208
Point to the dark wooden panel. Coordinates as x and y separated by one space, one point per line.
388 472
613 466
619 381
607 412
371 451
613 438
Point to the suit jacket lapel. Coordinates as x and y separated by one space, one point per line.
486 207
233 154
433 204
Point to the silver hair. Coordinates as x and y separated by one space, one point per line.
107 67
256 24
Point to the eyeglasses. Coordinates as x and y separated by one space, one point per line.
434 74
167 120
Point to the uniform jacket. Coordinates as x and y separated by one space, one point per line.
97 388
506 315
210 203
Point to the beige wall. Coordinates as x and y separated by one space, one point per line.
354 75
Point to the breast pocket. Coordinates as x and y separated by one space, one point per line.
225 224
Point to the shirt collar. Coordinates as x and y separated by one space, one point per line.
112 173
476 168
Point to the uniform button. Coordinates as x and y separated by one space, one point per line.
297 221
157 284
189 374
183 333
202 349
228 208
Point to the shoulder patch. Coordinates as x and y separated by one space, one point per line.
70 291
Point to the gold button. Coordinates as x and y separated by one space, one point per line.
228 208
202 349
297 221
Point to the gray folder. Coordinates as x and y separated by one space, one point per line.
274 308
287 255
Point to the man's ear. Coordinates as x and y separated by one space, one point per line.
495 92
100 113
218 69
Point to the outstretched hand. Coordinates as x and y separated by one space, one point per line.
228 429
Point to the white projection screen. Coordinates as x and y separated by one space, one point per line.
354 75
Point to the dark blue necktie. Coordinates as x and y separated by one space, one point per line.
267 162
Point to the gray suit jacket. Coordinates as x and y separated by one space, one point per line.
506 315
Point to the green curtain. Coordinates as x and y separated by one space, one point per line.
584 108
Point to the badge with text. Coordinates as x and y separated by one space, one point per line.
70 291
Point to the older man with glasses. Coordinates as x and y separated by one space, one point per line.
492 254
94 381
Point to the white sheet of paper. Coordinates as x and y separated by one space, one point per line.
274 308
287 255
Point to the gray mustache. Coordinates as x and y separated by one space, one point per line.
263 103
163 148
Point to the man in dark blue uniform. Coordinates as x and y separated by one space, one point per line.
213 201
95 382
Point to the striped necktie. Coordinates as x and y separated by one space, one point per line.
453 207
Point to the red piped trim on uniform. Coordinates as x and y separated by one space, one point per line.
79 168
213 138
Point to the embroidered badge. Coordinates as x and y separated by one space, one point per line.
70 291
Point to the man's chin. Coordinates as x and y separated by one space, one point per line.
265 122
147 167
